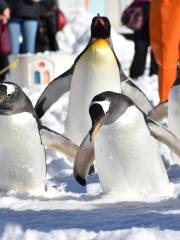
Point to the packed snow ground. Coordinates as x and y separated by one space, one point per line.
68 211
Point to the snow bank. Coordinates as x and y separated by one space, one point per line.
15 232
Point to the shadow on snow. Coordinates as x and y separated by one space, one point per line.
106 217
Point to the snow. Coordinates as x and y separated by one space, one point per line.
16 233
67 211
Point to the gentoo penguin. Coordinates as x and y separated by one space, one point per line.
174 111
95 70
126 153
170 110
22 153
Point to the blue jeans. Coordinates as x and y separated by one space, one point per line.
26 28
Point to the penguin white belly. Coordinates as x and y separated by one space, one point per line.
96 71
127 156
174 115
22 156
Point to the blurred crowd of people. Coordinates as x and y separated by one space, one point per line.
32 26
26 18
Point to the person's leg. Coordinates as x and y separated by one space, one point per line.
166 77
153 65
3 64
14 26
139 61
51 32
29 31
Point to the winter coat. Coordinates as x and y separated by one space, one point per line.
3 5
24 9
47 7
165 41
46 35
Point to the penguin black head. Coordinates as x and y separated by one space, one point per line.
13 99
100 27
105 108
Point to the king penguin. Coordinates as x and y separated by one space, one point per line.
95 70
22 153
126 153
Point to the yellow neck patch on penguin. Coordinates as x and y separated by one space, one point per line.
100 43
100 53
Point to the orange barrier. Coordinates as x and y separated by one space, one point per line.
165 41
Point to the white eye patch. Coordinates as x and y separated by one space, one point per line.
10 88
104 104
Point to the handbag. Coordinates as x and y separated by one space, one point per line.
5 42
132 17
61 20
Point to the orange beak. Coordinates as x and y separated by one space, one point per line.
95 131
100 21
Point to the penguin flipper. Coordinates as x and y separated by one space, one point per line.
58 142
165 136
53 92
83 160
133 92
159 112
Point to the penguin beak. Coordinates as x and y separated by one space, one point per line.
100 22
95 129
